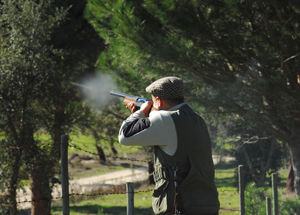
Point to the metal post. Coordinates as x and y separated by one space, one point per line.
241 189
130 198
268 206
275 194
64 174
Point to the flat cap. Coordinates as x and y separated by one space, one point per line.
167 88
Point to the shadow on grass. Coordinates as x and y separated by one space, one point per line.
98 209
225 182
228 165
130 165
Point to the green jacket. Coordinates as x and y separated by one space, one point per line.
195 174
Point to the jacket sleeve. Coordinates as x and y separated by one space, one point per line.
157 129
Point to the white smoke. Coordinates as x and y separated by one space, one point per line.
96 90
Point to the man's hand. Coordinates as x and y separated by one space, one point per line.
146 107
131 106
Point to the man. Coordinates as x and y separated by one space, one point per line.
184 170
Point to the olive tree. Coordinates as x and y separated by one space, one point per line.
44 45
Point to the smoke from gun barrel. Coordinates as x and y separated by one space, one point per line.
82 86
95 90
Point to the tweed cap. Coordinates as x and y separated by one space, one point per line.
167 88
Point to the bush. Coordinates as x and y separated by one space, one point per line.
255 201
290 207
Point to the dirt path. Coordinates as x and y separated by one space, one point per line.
219 158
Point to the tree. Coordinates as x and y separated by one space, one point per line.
260 154
44 45
260 157
27 65
241 56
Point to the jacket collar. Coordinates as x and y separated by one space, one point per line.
178 106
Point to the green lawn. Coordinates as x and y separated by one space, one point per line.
225 182
109 205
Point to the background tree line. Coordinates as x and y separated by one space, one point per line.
238 59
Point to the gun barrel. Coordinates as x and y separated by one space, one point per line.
123 95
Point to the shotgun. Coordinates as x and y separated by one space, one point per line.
138 101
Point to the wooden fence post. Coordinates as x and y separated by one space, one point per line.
130 198
241 189
275 194
64 174
268 206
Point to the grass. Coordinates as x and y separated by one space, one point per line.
225 182
109 205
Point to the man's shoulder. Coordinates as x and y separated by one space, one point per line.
162 114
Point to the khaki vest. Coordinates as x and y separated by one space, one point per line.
195 174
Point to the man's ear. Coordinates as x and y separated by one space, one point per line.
160 102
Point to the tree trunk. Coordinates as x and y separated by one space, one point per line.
290 180
101 154
295 154
39 180
113 149
13 186
41 193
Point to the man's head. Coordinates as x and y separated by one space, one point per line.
166 92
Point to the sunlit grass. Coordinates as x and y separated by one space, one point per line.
226 185
109 205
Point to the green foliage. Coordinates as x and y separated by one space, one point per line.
44 45
255 199
290 206
121 32
28 64
220 44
